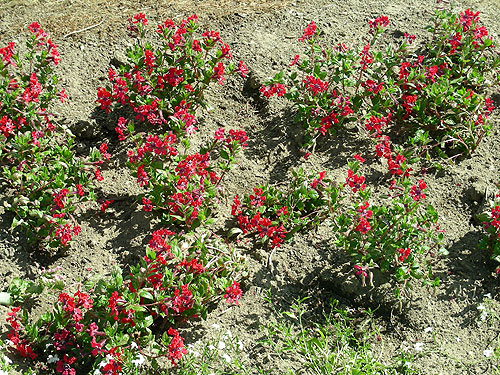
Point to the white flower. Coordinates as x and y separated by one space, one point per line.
221 345
428 329
240 345
138 361
216 326
52 358
7 360
226 357
106 360
488 352
133 345
229 334
2 372
211 347
488 295
419 346
192 350
458 339
480 307
484 315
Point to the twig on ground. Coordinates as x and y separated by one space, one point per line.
82 30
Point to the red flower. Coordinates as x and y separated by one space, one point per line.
410 38
111 368
120 128
7 53
363 225
142 176
242 69
103 98
295 60
68 303
316 181
105 205
63 233
403 254
315 85
355 182
140 18
359 158
258 199
103 150
147 206
361 270
62 95
309 32
79 190
176 348
372 86
233 293
219 73
59 197
366 57
174 77
236 206
98 175
467 18
375 24
416 192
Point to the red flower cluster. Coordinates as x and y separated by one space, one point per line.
176 348
261 225
377 23
309 32
22 346
374 125
363 225
276 88
416 191
366 57
394 164
315 85
403 254
355 182
372 86
233 293
65 232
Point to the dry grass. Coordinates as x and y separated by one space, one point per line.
61 17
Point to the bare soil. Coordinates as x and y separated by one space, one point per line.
264 35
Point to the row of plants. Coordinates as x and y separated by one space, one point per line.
398 234
108 325
435 95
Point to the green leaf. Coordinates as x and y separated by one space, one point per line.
234 231
224 155
145 294
148 321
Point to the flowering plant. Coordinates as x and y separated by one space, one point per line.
114 325
47 181
165 86
275 215
183 185
399 236
491 224
437 98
